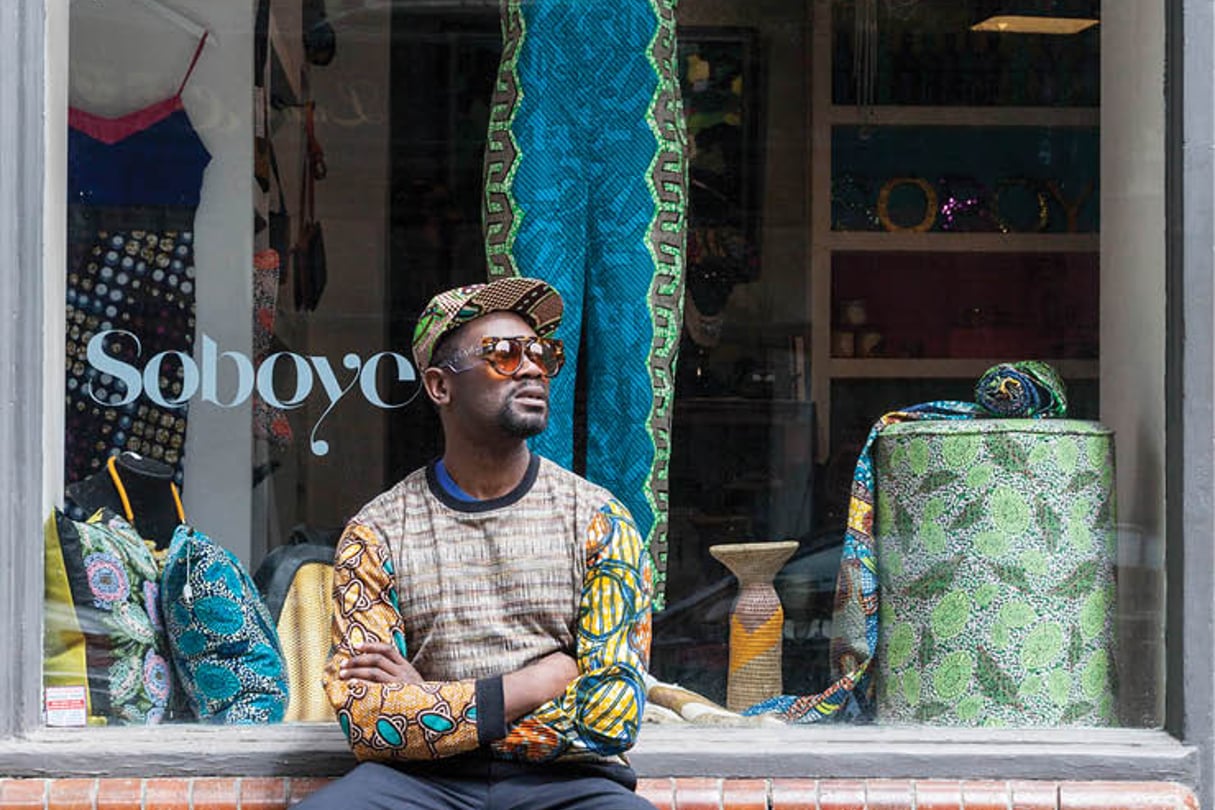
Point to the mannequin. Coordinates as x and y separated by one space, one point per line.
141 489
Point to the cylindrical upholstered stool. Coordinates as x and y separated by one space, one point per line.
757 621
996 550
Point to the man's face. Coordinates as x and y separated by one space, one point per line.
484 398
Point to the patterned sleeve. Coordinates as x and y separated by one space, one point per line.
601 709
388 722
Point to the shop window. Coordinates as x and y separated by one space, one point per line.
885 200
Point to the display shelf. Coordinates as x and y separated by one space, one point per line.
963 116
944 367
931 53
909 242
949 127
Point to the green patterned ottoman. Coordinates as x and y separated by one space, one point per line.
996 549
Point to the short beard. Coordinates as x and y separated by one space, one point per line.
521 426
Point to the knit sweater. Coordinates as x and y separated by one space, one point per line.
468 591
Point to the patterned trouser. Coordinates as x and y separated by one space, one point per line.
585 187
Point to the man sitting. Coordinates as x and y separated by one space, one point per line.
492 610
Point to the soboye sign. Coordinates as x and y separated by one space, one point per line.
203 377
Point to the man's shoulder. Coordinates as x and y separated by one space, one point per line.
389 505
586 492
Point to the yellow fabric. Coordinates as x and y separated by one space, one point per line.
303 631
63 649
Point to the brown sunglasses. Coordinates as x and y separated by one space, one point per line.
505 355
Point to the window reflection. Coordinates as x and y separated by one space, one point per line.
239 368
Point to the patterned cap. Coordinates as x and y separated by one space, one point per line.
534 300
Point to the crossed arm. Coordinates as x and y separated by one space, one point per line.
556 704
522 690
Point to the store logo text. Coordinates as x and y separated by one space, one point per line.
204 376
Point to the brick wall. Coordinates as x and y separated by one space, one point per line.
666 794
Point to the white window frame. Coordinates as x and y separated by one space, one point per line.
33 37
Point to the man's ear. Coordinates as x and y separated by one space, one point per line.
437 385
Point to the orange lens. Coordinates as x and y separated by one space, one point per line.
552 355
506 354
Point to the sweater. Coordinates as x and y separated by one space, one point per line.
468 591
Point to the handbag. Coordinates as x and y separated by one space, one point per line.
311 273
279 222
103 627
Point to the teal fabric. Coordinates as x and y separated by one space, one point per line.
585 188
225 648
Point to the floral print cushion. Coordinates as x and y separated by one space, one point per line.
101 594
996 549
225 650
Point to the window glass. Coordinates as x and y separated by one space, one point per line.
885 200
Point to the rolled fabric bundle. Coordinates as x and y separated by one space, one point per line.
1025 389
1030 388
660 714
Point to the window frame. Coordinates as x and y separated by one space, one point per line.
33 37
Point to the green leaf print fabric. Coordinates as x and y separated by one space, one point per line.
996 549
1026 389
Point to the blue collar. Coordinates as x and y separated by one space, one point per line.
446 490
449 484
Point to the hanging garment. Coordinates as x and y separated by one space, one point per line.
585 187
1029 389
269 423
133 187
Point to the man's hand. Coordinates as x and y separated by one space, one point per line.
537 683
379 663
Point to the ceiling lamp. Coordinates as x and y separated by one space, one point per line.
1034 24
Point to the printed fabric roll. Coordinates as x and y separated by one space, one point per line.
1027 389
996 550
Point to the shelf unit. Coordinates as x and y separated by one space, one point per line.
904 242
824 242
940 367
837 115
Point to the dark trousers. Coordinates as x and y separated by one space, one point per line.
488 786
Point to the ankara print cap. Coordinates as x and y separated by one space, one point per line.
532 299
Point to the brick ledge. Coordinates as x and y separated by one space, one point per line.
698 793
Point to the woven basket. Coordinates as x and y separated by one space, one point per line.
757 621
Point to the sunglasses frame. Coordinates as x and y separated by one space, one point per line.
522 342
